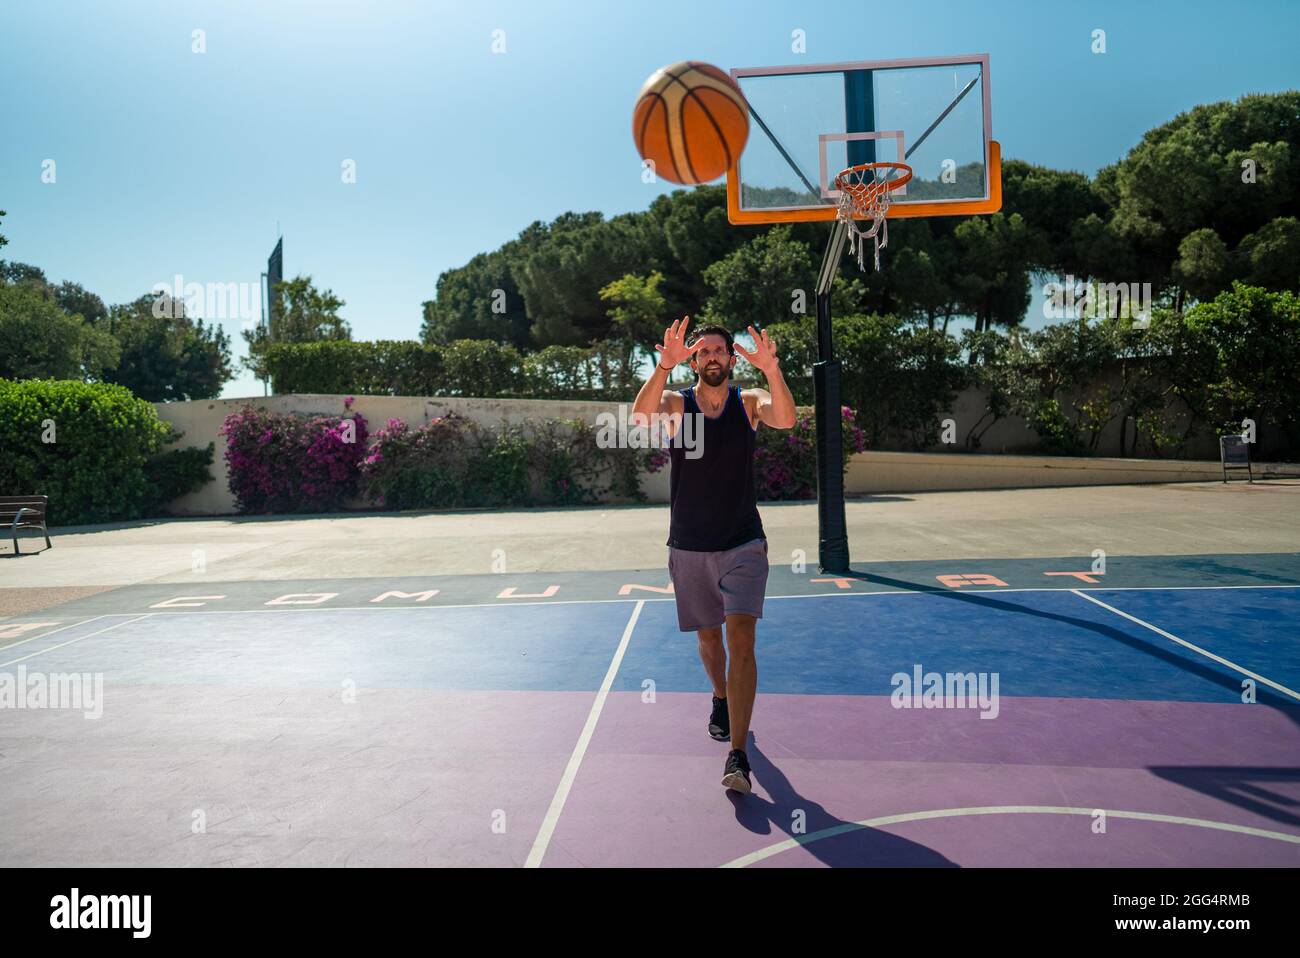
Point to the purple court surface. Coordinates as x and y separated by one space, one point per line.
950 714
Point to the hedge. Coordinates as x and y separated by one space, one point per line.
95 449
467 367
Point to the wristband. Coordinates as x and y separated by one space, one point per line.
666 369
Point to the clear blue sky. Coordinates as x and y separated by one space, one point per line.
173 162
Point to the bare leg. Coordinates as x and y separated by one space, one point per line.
714 656
742 677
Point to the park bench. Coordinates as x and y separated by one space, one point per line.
24 512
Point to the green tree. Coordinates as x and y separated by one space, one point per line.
1270 256
562 274
480 300
995 255
637 310
989 370
1250 338
636 314
1050 202
23 273
696 234
760 282
41 341
1231 168
1204 263
305 314
923 290
1045 378
899 378
302 314
164 354
76 300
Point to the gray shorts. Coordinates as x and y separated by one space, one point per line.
709 586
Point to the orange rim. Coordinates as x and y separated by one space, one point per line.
863 194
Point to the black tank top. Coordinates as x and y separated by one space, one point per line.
713 502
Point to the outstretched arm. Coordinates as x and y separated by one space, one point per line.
653 398
774 405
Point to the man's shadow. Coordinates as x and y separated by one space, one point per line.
855 847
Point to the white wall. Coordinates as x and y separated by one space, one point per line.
200 420
870 472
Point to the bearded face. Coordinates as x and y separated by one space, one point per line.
715 374
713 362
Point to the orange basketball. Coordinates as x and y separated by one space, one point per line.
691 121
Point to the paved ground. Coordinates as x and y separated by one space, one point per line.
557 718
338 690
1188 519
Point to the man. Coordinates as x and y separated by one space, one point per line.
717 550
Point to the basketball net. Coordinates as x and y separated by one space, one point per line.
864 195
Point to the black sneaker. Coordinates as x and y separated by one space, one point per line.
736 772
720 721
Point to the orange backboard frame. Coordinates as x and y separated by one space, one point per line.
992 204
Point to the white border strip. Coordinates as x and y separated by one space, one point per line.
1195 648
88 635
63 628
833 194
788 844
580 750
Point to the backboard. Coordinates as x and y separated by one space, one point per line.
807 123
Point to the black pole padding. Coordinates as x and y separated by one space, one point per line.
832 530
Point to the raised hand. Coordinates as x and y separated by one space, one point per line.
674 350
764 355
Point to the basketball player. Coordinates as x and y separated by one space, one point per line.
717 555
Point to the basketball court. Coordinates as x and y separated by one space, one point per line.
557 717
1082 685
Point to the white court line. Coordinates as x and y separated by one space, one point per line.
1195 648
89 635
41 635
838 594
996 590
571 770
790 843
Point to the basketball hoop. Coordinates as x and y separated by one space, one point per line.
864 194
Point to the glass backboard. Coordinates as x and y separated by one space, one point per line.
807 123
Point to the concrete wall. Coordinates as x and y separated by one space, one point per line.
872 472
1013 435
200 420
869 472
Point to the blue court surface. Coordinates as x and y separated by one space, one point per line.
961 713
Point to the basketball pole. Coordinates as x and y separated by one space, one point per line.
832 530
